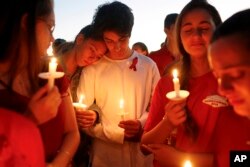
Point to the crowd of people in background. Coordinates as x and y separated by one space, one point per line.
124 118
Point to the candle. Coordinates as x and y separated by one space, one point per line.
122 109
52 71
176 83
187 163
80 106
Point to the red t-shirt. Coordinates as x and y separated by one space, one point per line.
20 141
52 132
232 133
204 115
162 58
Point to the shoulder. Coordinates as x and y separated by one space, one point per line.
143 58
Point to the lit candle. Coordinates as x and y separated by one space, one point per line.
80 106
176 83
52 71
187 164
122 109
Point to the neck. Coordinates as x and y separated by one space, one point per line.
169 45
199 66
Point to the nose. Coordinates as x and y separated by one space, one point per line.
117 46
197 32
52 39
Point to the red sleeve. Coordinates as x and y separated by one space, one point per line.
62 83
158 103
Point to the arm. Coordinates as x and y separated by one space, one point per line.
100 131
71 139
175 115
88 118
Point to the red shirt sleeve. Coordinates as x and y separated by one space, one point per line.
158 103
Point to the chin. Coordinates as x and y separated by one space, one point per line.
242 111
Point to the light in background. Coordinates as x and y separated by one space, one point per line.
73 15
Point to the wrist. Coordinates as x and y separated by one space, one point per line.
168 123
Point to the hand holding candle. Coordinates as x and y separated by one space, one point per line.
176 83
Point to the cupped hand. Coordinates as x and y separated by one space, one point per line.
86 119
175 112
44 104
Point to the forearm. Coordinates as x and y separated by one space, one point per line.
158 134
109 134
67 150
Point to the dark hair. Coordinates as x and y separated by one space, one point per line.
11 35
142 46
114 16
170 20
56 44
90 33
238 24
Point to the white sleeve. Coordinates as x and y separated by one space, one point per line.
86 86
154 80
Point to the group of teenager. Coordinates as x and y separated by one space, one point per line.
129 121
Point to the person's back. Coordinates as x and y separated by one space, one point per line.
165 55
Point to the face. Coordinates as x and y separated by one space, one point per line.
117 45
44 33
231 64
89 51
196 30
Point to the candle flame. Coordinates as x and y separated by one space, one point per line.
121 103
81 98
187 164
175 73
50 51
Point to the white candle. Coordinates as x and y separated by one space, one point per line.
122 109
52 70
187 164
80 106
176 83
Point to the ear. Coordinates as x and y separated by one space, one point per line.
79 39
165 30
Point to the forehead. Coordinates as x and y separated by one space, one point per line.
196 16
228 52
96 44
112 35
